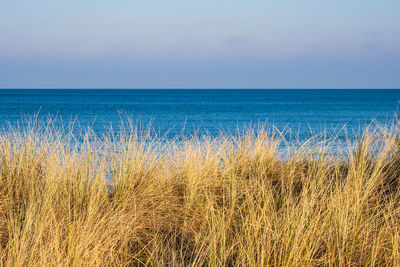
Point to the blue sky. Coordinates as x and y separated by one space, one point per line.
200 44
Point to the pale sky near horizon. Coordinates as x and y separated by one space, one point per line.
200 44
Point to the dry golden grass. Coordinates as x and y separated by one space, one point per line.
227 201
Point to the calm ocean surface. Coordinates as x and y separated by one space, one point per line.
205 110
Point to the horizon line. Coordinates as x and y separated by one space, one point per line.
196 88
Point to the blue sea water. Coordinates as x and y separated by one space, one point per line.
205 110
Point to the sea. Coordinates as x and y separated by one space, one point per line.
171 112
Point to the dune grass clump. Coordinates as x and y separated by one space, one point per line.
252 199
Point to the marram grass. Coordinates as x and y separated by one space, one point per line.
249 200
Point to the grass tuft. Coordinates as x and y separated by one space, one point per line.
256 199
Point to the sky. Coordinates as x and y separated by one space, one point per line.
200 44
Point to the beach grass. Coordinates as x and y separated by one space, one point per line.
249 199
